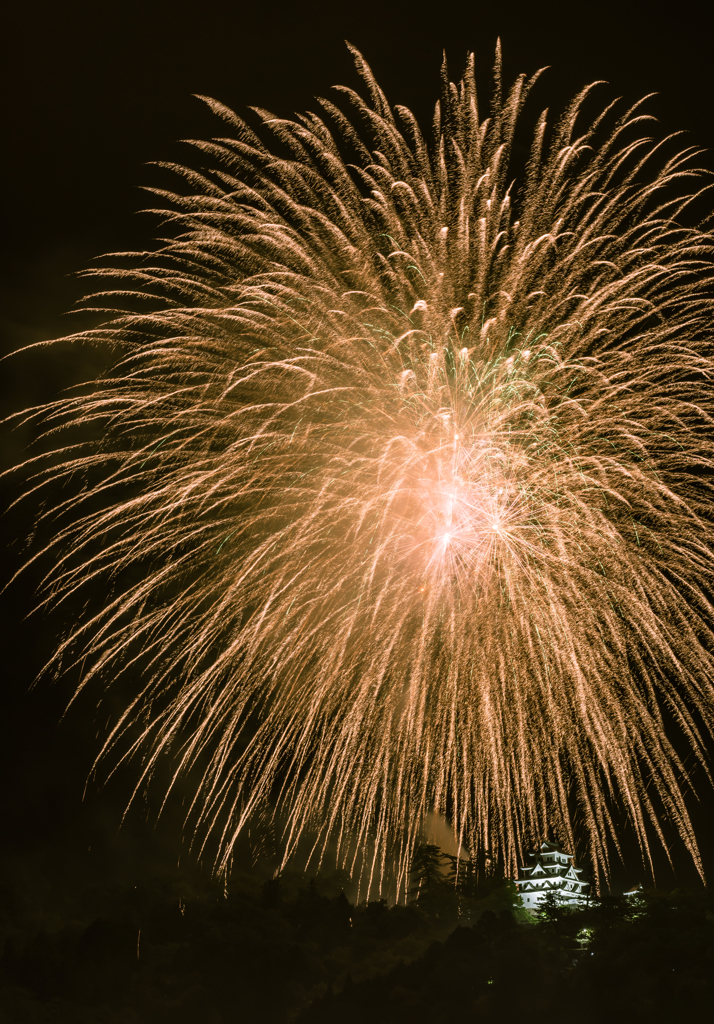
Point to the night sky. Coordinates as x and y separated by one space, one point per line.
93 93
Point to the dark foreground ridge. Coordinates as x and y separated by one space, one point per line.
287 950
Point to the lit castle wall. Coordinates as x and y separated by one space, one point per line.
552 871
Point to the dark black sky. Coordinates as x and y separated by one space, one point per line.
95 90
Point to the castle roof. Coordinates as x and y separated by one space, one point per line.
551 862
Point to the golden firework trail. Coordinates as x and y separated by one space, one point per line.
400 484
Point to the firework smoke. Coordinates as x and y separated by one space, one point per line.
402 498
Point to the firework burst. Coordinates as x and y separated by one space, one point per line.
402 498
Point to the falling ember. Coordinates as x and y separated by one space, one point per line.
403 495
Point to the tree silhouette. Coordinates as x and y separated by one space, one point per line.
426 875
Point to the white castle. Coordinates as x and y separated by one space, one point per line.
552 871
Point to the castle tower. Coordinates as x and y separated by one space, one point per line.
552 871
